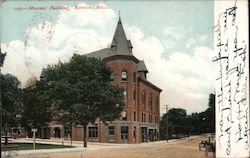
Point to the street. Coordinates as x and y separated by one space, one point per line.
184 148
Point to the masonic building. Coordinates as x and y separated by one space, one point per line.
140 118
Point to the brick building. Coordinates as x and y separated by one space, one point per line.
141 115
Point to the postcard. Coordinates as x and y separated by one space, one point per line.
153 78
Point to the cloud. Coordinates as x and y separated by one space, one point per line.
196 39
186 80
47 42
174 32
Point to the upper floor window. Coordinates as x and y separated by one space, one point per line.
156 104
134 95
112 76
134 115
124 75
143 98
150 102
134 77
125 94
124 115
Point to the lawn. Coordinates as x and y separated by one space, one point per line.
29 146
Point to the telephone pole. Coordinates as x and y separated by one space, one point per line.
167 120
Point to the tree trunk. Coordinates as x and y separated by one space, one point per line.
85 136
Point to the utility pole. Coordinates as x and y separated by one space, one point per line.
167 120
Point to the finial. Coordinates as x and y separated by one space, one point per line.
119 20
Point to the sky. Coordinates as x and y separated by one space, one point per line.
174 38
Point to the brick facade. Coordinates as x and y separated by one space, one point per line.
141 114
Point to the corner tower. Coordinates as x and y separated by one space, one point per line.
139 121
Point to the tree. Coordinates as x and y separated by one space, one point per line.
210 114
37 106
82 90
177 122
203 122
194 123
11 101
177 117
2 57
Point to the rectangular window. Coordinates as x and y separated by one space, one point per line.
124 133
93 132
157 104
124 115
150 102
134 95
67 132
134 115
125 95
135 76
111 130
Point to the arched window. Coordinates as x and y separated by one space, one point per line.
124 75
112 76
156 104
150 102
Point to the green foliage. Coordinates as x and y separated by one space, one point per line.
11 100
196 123
2 57
82 91
177 123
37 106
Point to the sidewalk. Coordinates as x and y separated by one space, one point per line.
78 147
